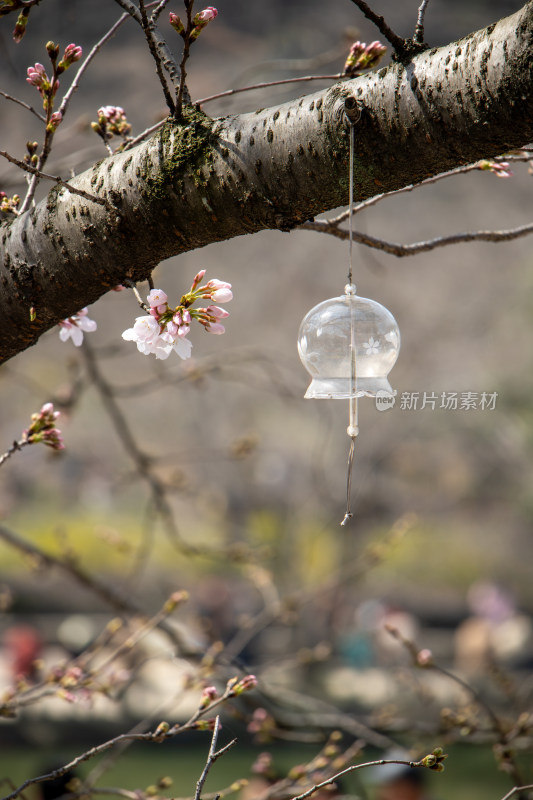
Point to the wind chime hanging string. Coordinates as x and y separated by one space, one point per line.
349 344
353 428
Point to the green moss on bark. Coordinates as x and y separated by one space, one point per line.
183 149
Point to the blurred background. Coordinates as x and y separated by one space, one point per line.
440 544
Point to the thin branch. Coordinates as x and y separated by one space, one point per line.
516 790
167 59
401 250
144 134
23 104
157 11
396 41
186 36
336 77
13 449
353 768
148 28
37 172
97 47
211 758
91 753
418 36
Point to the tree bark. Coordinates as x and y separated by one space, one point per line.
208 180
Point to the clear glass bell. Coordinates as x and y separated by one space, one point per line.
348 345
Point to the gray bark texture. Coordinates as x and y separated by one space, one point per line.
211 179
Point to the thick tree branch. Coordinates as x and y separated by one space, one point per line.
204 180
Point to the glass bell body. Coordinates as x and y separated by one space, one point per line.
348 344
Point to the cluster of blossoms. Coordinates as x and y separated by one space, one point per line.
200 20
363 56
9 205
165 328
48 86
74 327
499 168
43 429
112 121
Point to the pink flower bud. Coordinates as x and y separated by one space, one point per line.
172 328
215 327
176 22
205 16
215 311
222 295
183 330
178 318
186 315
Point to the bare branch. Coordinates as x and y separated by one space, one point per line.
157 11
79 74
38 173
337 77
148 28
516 790
15 447
401 250
399 44
211 758
418 36
353 768
167 59
23 104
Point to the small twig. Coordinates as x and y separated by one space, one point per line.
23 104
401 250
39 173
167 59
353 768
516 790
138 297
337 77
148 28
79 74
144 134
13 449
396 41
211 758
186 35
157 11
418 36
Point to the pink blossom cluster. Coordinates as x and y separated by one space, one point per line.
74 327
73 53
363 56
42 428
9 204
112 121
498 168
199 21
165 329
38 77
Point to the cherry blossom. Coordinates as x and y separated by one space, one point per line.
74 327
165 329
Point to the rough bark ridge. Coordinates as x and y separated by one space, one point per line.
209 180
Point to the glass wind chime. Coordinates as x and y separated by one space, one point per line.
349 344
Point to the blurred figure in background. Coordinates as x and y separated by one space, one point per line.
23 647
495 630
